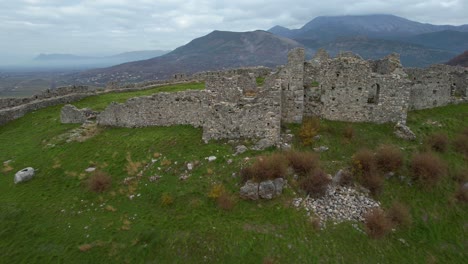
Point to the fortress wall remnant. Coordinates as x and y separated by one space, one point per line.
160 109
293 87
431 87
347 89
237 114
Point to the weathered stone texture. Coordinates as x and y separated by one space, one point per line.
72 115
293 87
160 109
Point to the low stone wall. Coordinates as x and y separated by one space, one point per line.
160 109
10 114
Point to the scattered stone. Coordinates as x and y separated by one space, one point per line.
72 115
389 175
317 137
90 169
279 185
23 175
321 149
128 180
229 161
184 177
263 144
249 190
211 158
240 149
404 132
267 190
337 178
339 204
189 166
154 178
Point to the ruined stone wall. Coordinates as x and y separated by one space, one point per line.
234 113
347 89
46 94
293 87
10 114
160 109
432 87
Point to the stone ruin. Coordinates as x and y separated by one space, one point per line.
345 88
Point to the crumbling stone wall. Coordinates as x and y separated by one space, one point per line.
237 114
292 87
160 109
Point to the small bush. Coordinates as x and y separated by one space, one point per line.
427 168
166 199
132 166
462 194
389 158
438 142
316 183
266 168
363 161
348 132
225 201
461 144
216 191
99 182
309 129
377 224
399 215
302 162
373 181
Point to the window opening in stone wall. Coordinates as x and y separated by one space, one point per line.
374 92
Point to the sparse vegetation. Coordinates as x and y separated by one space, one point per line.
314 84
309 129
399 215
389 158
260 81
377 223
348 132
99 181
461 143
316 183
438 142
427 168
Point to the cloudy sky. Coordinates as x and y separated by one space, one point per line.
103 27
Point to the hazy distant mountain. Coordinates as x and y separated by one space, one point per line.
70 60
374 36
215 51
460 60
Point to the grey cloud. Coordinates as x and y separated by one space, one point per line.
111 26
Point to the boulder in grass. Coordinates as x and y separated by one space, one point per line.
24 175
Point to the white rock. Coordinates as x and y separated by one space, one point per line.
211 158
90 169
24 175
189 166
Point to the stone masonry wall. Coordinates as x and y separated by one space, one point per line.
236 114
293 87
160 109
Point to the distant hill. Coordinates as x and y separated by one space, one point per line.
215 51
460 60
372 36
70 60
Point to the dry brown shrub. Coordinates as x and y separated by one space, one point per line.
461 144
373 181
166 199
309 129
316 183
399 215
132 166
377 224
266 168
348 132
462 193
389 158
99 181
225 201
438 142
302 162
363 161
427 168
85 247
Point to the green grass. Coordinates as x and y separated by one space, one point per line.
47 219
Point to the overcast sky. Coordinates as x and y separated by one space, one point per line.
102 27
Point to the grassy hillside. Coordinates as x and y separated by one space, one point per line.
56 218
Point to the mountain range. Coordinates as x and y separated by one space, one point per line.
370 36
215 51
460 60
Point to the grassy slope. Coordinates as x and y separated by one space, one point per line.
47 218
